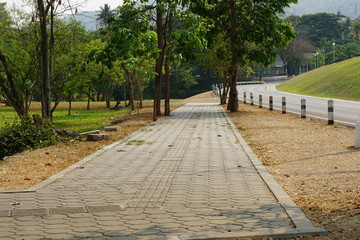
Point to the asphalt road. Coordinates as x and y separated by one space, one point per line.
345 112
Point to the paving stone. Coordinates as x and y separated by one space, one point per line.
54 217
121 228
57 230
108 208
84 224
56 226
79 215
104 214
6 224
195 223
55 221
152 237
85 229
107 218
59 236
31 237
5 213
89 235
115 234
30 212
148 232
5 233
138 222
135 217
67 210
160 220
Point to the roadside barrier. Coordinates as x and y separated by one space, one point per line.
303 108
284 107
357 135
330 112
283 104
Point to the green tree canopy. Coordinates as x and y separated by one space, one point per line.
315 27
253 30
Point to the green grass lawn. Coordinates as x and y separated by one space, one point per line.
79 120
339 80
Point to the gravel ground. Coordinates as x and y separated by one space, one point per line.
316 164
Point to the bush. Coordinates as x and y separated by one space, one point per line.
24 135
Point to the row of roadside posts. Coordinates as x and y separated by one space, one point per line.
303 112
283 106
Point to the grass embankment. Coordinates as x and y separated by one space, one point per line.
80 119
339 80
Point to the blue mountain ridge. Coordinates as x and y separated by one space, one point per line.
350 8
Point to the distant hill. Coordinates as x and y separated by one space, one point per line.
88 19
350 8
337 80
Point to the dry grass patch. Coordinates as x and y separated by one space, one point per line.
21 171
315 163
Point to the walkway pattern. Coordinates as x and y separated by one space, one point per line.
188 176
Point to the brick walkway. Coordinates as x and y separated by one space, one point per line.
188 176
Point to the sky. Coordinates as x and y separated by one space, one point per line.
83 5
347 7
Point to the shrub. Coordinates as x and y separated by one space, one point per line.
23 135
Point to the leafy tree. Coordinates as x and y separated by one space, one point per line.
319 26
70 53
18 58
294 55
131 36
130 45
218 60
355 29
185 37
253 29
45 16
105 14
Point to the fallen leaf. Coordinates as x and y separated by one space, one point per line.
27 179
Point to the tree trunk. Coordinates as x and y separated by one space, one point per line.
159 63
167 86
44 58
12 94
139 90
131 85
233 105
52 42
69 110
125 97
88 101
167 69
132 99
108 94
